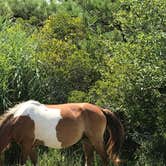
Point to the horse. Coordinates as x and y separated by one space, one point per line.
59 126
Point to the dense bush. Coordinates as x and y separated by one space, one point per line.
110 53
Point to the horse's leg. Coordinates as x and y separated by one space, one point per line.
98 144
88 152
33 156
25 151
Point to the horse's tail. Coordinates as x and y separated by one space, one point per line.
116 136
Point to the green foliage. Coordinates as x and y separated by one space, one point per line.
65 27
152 152
111 53
35 12
77 96
14 66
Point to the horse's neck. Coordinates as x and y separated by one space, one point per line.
5 134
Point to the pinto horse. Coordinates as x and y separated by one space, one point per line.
60 126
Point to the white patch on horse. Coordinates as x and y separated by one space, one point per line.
45 119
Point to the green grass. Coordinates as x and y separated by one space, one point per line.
70 157
55 157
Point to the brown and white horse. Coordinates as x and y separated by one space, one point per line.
60 126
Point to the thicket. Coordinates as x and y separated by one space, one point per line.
110 53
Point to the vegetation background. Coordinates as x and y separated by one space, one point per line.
108 52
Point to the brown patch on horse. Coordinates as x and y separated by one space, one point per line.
23 134
19 129
23 129
5 130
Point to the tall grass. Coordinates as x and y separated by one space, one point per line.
63 158
54 157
